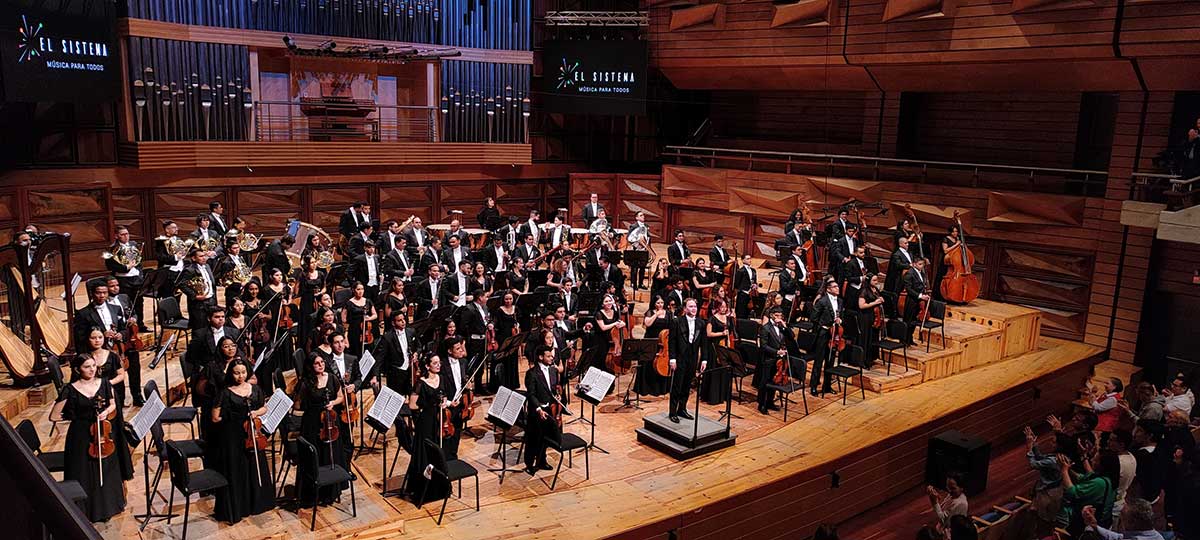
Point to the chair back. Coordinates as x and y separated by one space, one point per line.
180 475
341 295
55 367
150 284
436 458
168 310
287 428
158 438
299 358
747 328
853 355
277 378
187 367
806 341
896 329
937 310
29 434
308 461
151 387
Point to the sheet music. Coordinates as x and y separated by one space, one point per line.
507 406
75 281
365 364
386 407
596 383
145 418
277 408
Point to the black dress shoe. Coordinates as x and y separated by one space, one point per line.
763 410
545 467
674 419
531 471
685 415
773 407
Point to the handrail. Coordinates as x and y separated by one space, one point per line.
60 517
902 161
1178 182
377 106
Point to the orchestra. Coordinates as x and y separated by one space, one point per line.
437 323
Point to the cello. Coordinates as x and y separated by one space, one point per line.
960 284
915 237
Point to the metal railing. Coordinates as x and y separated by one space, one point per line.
982 175
1170 189
294 121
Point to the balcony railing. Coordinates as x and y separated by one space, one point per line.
1170 189
282 121
981 175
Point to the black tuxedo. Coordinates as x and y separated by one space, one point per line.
430 258
362 274
491 260
913 283
450 387
896 267
396 263
276 258
352 375
390 355
823 317
89 317
426 298
528 252
525 229
448 255
614 276
202 346
134 358
350 220
451 288
217 225
571 303
198 307
589 213
473 325
688 351
716 257
386 242
413 244
675 255
744 279
357 245
770 342
854 277
131 285
165 261
539 396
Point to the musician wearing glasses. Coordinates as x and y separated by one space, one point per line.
198 284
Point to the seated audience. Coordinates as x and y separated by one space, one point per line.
952 503
1137 519
1178 397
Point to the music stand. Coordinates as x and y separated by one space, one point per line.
505 445
726 358
637 259
537 278
589 301
584 397
614 256
642 353
528 304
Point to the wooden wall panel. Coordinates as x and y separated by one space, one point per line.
249 200
52 204
1031 129
817 122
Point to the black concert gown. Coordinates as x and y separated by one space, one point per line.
244 497
104 500
714 385
122 454
354 325
310 289
312 402
506 326
427 427
649 382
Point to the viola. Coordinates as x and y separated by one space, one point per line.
490 339
102 444
731 335
286 312
255 438
329 426
878 322
261 329
467 403
369 333
448 429
837 338
781 374
349 412
556 412
135 337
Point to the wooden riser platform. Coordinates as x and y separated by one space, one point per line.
1021 326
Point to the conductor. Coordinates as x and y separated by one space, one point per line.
687 347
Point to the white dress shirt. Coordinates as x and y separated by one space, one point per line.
691 322
339 360
372 272
105 316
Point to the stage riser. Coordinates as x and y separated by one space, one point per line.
1021 326
869 476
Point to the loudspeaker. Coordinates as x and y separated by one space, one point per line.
967 455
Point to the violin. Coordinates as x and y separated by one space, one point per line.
369 333
782 369
467 402
490 338
135 338
102 444
878 322
837 337
286 312
915 237
329 426
255 438
731 335
556 410
119 347
448 429
261 329
349 413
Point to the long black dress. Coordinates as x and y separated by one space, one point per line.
312 401
122 453
104 500
354 325
505 325
714 385
244 497
649 382
427 427
310 289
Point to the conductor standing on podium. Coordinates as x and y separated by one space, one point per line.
688 348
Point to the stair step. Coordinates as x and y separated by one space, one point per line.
878 380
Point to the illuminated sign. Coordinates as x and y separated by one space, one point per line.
599 77
49 56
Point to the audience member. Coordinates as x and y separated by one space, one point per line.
1087 482
1104 404
1150 465
1187 467
1047 492
1178 396
1118 444
962 528
952 503
1149 403
1137 522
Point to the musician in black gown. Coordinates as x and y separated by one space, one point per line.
319 392
657 320
868 301
251 490
80 402
108 366
312 284
428 403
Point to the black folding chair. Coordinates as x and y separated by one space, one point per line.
936 319
189 483
55 366
54 461
451 471
288 429
894 339
848 368
565 445
172 415
320 476
170 317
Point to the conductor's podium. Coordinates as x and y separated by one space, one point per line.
976 334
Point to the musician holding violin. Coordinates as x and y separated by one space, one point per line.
543 410
827 316
344 366
317 397
130 345
109 368
455 383
88 404
239 446
872 319
916 287
720 330
780 361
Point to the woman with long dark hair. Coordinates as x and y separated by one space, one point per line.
318 393
108 367
87 397
357 312
250 490
428 404
312 284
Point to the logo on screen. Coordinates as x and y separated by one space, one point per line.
566 73
27 40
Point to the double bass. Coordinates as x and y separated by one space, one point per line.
960 285
810 257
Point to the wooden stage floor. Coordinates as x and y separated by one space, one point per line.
635 492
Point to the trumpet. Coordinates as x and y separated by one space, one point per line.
129 256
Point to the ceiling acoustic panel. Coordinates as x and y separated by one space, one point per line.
803 12
1035 209
702 17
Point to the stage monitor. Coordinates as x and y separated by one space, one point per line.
594 77
51 56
